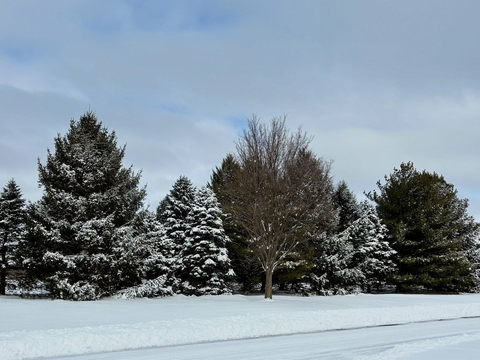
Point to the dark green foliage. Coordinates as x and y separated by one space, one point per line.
247 269
347 206
429 225
88 200
293 269
12 220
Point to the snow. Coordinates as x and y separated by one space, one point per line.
436 349
46 328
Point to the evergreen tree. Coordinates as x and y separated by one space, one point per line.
148 259
471 247
88 200
12 222
205 266
426 221
333 272
357 257
32 247
372 253
173 213
347 206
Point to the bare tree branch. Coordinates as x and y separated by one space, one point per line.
280 194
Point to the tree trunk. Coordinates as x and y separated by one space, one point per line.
3 279
3 273
268 283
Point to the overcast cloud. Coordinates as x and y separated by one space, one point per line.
377 83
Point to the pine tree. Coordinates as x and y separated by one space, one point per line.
88 199
333 272
426 221
471 247
12 222
173 213
31 248
347 206
372 252
148 259
205 265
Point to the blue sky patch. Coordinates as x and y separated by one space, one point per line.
239 123
20 53
180 16
104 24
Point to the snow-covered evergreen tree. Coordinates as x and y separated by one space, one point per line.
12 220
88 200
471 245
148 259
205 266
193 228
372 253
173 213
359 257
333 272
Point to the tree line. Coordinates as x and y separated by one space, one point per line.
271 216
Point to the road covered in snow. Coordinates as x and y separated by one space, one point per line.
452 339
240 327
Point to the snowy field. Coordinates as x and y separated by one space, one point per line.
191 328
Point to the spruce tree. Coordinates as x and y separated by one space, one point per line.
346 204
173 213
205 268
88 200
12 221
149 260
428 230
372 254
333 273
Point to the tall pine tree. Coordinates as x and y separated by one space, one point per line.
88 199
12 220
429 227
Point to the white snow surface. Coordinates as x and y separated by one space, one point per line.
46 328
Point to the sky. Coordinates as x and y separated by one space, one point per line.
375 83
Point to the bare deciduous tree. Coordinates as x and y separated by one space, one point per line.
280 194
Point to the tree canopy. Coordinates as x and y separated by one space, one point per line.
280 193
88 197
429 226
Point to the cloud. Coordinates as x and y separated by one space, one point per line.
376 83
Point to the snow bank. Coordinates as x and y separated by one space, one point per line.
267 319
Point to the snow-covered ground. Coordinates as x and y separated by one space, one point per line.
46 328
